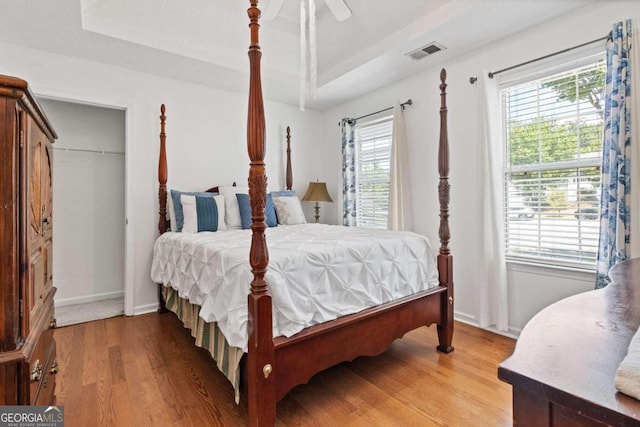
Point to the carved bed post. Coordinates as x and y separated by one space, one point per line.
162 195
162 175
260 357
289 182
445 260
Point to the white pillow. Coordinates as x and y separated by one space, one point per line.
289 210
232 209
189 210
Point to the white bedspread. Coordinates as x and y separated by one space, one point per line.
316 273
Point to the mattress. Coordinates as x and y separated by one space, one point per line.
316 273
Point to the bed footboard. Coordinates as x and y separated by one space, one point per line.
367 333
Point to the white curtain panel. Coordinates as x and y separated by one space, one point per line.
399 190
492 277
634 211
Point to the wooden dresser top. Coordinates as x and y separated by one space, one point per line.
572 348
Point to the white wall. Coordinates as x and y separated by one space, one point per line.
206 139
88 196
530 288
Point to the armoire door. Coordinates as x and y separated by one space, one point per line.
39 221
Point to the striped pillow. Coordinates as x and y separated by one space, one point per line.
202 213
175 207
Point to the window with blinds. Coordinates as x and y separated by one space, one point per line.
373 163
553 132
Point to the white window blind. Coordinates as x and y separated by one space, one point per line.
373 160
553 147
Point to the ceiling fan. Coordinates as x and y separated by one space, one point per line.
308 44
339 8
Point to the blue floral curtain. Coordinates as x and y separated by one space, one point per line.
616 153
348 173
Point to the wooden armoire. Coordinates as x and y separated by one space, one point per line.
27 348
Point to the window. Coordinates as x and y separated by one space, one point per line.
553 147
373 167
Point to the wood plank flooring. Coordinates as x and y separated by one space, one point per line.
146 371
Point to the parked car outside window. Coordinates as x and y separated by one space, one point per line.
587 212
521 212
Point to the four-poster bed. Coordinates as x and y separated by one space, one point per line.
274 365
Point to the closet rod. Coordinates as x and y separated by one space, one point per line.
472 80
86 150
351 120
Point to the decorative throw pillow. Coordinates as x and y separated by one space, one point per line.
289 210
232 210
178 216
202 213
245 211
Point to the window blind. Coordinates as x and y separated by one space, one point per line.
373 160
553 146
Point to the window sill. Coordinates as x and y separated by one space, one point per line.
563 271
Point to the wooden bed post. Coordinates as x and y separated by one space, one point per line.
445 260
260 358
162 195
289 182
162 175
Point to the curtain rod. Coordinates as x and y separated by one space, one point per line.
351 120
472 80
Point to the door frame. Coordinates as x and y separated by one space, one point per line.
127 107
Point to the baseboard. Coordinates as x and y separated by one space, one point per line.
144 309
465 318
468 319
88 298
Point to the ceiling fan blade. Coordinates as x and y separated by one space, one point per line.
272 10
339 8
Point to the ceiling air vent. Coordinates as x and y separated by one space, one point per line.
425 51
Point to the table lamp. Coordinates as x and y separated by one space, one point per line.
317 192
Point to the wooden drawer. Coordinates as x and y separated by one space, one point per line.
36 368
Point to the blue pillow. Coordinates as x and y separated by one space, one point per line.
177 205
283 193
245 211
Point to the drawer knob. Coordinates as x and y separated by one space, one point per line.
36 372
55 367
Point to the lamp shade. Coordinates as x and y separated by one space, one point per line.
317 192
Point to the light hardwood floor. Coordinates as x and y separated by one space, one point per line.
145 371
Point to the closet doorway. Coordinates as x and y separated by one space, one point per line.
89 210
